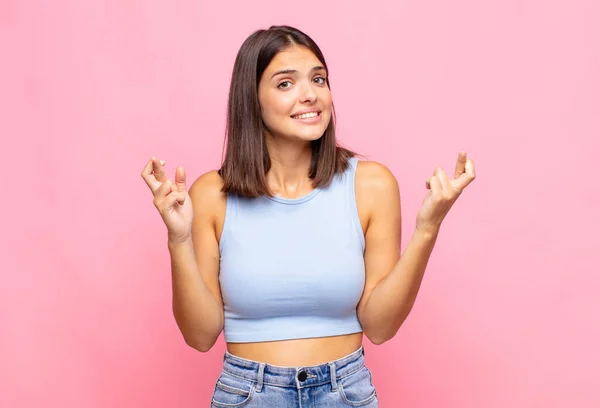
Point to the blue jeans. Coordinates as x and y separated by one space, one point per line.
345 382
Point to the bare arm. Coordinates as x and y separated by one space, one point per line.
393 282
197 303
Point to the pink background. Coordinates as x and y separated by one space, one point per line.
508 314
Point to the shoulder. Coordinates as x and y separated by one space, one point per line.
206 192
377 192
374 178
207 185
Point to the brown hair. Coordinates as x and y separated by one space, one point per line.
247 160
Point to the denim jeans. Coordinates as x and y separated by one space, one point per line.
345 382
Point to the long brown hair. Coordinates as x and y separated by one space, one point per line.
247 160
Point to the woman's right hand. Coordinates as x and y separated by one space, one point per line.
171 199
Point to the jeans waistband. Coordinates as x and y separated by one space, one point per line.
297 377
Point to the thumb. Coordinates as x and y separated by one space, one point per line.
180 178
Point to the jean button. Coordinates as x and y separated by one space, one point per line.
302 376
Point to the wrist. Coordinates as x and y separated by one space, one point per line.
179 242
427 233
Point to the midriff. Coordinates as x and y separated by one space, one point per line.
298 352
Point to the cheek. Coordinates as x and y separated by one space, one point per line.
281 105
326 98
327 101
270 114
272 119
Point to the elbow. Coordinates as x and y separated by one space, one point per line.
203 348
202 341
380 337
202 345
199 338
377 339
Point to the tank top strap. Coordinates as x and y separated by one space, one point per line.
349 181
231 214
350 174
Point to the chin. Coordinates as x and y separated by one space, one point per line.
304 135
310 136
308 132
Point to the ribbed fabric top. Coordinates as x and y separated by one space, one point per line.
293 268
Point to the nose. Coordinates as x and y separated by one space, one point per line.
308 94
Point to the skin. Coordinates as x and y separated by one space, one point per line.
281 95
392 281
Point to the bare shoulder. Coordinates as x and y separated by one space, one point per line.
375 179
208 183
206 193
377 192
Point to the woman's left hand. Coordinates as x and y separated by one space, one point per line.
443 193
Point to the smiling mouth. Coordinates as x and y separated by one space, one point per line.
307 115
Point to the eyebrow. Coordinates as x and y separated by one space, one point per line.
293 71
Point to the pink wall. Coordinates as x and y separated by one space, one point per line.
508 313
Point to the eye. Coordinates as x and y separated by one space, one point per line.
320 80
284 85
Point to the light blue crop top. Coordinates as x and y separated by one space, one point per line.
293 268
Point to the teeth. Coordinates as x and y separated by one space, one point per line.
306 115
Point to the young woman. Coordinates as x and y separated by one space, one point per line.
292 246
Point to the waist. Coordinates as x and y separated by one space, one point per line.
298 352
289 376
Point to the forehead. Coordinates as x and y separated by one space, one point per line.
294 57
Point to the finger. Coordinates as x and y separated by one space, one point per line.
157 169
436 187
163 190
467 177
175 189
149 177
174 198
444 180
470 168
427 183
161 198
460 164
147 169
180 178
181 197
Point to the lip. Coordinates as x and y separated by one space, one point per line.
302 112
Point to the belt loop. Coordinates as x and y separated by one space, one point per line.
261 376
333 375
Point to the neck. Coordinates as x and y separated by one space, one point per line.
290 166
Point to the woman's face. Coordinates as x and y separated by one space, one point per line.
294 96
